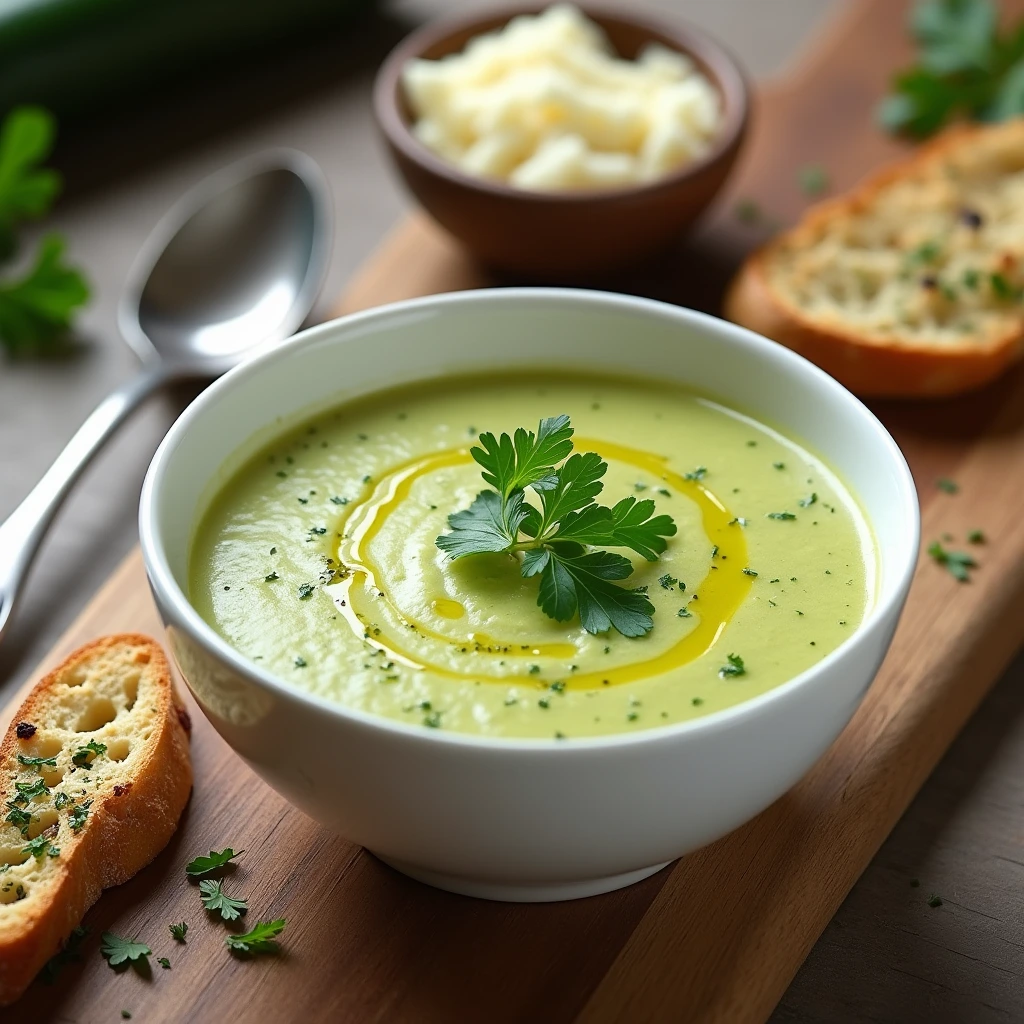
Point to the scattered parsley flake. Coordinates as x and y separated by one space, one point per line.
697 474
305 590
809 500
947 485
976 537
780 515
204 865
118 950
934 901
164 962
747 211
749 572
271 577
259 940
178 931
667 581
956 562
214 898
813 179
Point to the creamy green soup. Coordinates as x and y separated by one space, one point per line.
317 559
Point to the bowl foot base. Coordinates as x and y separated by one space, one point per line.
526 892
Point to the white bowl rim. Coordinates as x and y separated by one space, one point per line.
163 581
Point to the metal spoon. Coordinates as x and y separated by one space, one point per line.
233 267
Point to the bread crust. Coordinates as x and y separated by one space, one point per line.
127 826
867 365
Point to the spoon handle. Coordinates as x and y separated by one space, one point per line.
23 530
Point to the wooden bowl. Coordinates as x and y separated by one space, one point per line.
562 235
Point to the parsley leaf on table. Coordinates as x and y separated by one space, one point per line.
36 308
554 538
966 67
259 940
178 931
956 562
214 898
118 950
204 865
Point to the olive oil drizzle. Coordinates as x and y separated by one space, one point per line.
718 596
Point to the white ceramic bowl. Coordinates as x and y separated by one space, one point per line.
524 819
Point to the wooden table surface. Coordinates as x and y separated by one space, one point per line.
887 956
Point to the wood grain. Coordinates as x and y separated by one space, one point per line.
713 938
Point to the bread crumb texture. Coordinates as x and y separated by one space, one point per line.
94 774
928 254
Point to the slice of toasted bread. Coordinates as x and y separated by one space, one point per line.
912 284
87 817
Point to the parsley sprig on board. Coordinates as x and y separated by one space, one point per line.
966 67
35 308
557 540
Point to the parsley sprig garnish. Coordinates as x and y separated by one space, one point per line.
35 308
557 539
965 66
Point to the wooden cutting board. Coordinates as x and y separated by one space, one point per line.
715 937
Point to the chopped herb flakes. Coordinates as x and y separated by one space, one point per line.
934 901
84 756
947 485
37 762
178 931
40 847
808 501
735 667
305 590
780 515
78 816
749 572
976 537
697 474
164 962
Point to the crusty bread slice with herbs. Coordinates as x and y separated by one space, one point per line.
912 284
94 775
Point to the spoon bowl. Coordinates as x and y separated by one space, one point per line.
232 267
